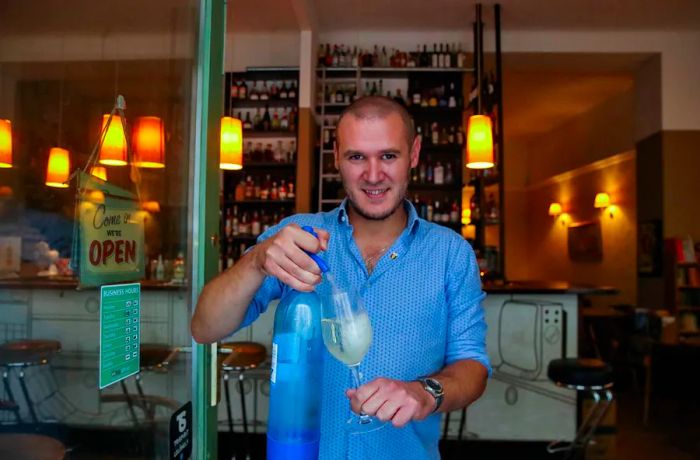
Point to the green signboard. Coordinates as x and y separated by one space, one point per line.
120 332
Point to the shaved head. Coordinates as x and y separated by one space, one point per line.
369 107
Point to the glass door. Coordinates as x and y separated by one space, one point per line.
63 66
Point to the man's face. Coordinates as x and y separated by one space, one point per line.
374 161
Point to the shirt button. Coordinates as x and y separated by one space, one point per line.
393 256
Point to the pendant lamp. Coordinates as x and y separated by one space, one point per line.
231 149
149 143
99 171
58 168
5 144
113 149
479 142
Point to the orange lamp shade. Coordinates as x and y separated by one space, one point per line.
149 143
5 144
479 142
58 168
555 209
602 200
231 153
99 171
113 149
151 206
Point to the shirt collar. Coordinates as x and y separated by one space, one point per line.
411 224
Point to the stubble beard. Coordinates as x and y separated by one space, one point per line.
376 217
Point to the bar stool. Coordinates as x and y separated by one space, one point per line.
243 356
22 354
582 374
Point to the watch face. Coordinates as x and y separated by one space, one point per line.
434 385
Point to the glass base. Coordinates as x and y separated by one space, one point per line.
359 424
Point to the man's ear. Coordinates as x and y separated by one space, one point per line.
415 152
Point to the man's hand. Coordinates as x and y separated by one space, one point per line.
283 257
392 400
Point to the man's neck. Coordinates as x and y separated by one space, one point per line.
378 230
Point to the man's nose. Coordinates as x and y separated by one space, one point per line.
374 173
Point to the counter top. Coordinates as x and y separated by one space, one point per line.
546 287
70 283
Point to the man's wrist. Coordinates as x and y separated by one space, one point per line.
427 400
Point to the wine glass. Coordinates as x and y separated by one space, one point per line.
347 333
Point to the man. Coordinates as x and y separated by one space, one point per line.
420 283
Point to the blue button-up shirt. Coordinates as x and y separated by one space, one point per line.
423 299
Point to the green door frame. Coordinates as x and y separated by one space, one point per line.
208 105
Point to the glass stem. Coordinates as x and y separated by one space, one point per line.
364 418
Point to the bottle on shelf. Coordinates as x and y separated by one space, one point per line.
235 230
255 226
247 123
439 174
266 120
449 174
239 194
249 188
254 92
454 212
242 91
274 191
179 269
282 191
290 192
160 269
228 222
264 92
292 93
265 189
275 125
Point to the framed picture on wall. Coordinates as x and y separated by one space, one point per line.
649 248
585 242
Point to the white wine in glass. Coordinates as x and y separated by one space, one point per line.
347 334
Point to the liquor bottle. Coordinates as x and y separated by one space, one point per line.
474 207
256 189
265 189
234 89
228 222
429 212
244 226
491 208
284 122
292 94
278 155
264 92
243 91
461 57
266 121
416 97
274 192
429 173
268 154
292 153
454 213
257 120
449 174
254 93
434 134
239 193
274 90
373 91
399 98
439 174
282 191
444 137
255 224
290 190
235 230
275 120
248 123
459 137
335 57
447 58
422 172
284 91
434 57
451 96
354 62
441 57
321 61
249 188
451 135
293 119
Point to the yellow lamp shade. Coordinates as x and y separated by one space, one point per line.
555 209
151 206
602 200
479 143
149 143
58 168
113 149
99 171
231 153
5 143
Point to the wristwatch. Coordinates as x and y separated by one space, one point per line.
433 387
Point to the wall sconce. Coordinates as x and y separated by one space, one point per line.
555 209
602 201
